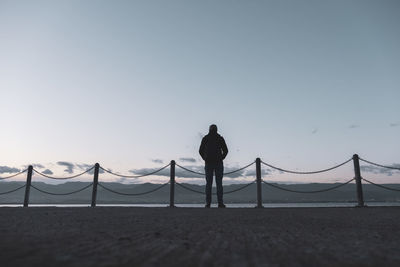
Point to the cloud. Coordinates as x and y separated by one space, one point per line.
100 171
35 166
380 170
353 126
235 174
188 159
47 171
158 161
394 124
181 173
263 172
38 166
70 166
314 131
6 169
144 171
84 167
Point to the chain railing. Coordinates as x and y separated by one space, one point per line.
62 194
240 169
191 171
380 165
258 181
133 194
63 178
307 172
135 176
13 175
382 186
13 190
214 193
225 173
308 192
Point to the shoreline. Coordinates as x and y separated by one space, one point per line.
327 204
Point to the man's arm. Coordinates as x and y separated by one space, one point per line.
224 148
202 149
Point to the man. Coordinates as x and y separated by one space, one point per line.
213 150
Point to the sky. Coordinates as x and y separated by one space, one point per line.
303 85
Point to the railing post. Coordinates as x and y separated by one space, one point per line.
28 185
172 185
357 176
259 185
95 182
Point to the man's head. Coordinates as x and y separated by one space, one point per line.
213 128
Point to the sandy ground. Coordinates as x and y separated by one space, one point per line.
115 236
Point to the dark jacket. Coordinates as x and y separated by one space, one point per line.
213 148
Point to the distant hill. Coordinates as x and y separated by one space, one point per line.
346 193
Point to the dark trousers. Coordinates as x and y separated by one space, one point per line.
218 169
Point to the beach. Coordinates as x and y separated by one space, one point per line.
126 236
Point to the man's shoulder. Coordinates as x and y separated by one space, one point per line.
217 137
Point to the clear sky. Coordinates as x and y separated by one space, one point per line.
134 84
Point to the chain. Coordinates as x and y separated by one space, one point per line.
62 194
11 191
307 192
203 193
63 178
134 176
13 175
379 165
382 186
132 194
311 172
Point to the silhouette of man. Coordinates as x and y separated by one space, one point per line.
213 150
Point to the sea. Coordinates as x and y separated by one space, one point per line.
228 205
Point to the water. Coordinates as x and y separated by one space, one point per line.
233 205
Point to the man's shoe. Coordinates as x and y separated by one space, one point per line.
221 205
207 206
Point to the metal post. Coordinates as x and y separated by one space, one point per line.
357 173
28 185
172 185
259 185
95 182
